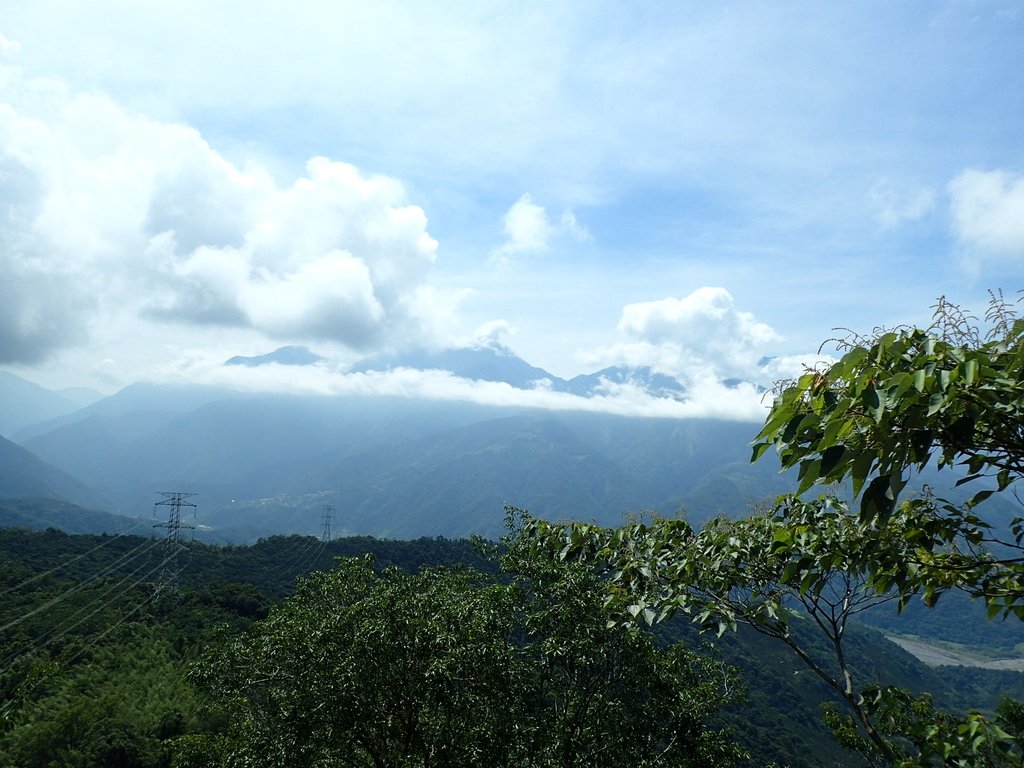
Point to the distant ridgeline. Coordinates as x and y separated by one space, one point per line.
391 466
264 464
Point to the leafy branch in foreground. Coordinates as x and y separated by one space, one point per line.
893 404
803 565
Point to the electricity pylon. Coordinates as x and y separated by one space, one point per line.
325 535
175 500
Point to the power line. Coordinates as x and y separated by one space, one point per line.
75 559
299 554
103 601
125 558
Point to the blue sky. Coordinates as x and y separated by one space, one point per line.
685 184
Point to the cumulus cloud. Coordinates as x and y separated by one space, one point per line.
988 211
702 330
106 211
716 352
336 256
529 229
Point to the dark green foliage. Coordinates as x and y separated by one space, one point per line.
112 689
46 691
454 668
119 704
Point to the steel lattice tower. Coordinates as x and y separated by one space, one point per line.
174 500
325 535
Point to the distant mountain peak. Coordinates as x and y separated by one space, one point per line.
488 360
23 403
289 355
644 377
490 345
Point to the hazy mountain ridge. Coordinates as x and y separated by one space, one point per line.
643 377
290 355
455 483
495 362
393 466
39 514
490 362
23 403
267 463
25 475
169 398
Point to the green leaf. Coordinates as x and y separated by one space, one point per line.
758 452
831 458
859 470
919 378
810 471
791 428
970 371
871 399
967 479
879 500
920 444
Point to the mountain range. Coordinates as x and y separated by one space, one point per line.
495 362
389 466
23 403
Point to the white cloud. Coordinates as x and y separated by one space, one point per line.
988 211
706 399
528 228
490 333
573 228
329 298
702 330
107 213
702 340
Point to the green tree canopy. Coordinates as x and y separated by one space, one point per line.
455 668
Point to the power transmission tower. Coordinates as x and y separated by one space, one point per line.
325 535
174 500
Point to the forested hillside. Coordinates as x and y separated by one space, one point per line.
99 670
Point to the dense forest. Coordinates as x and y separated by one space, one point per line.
100 667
